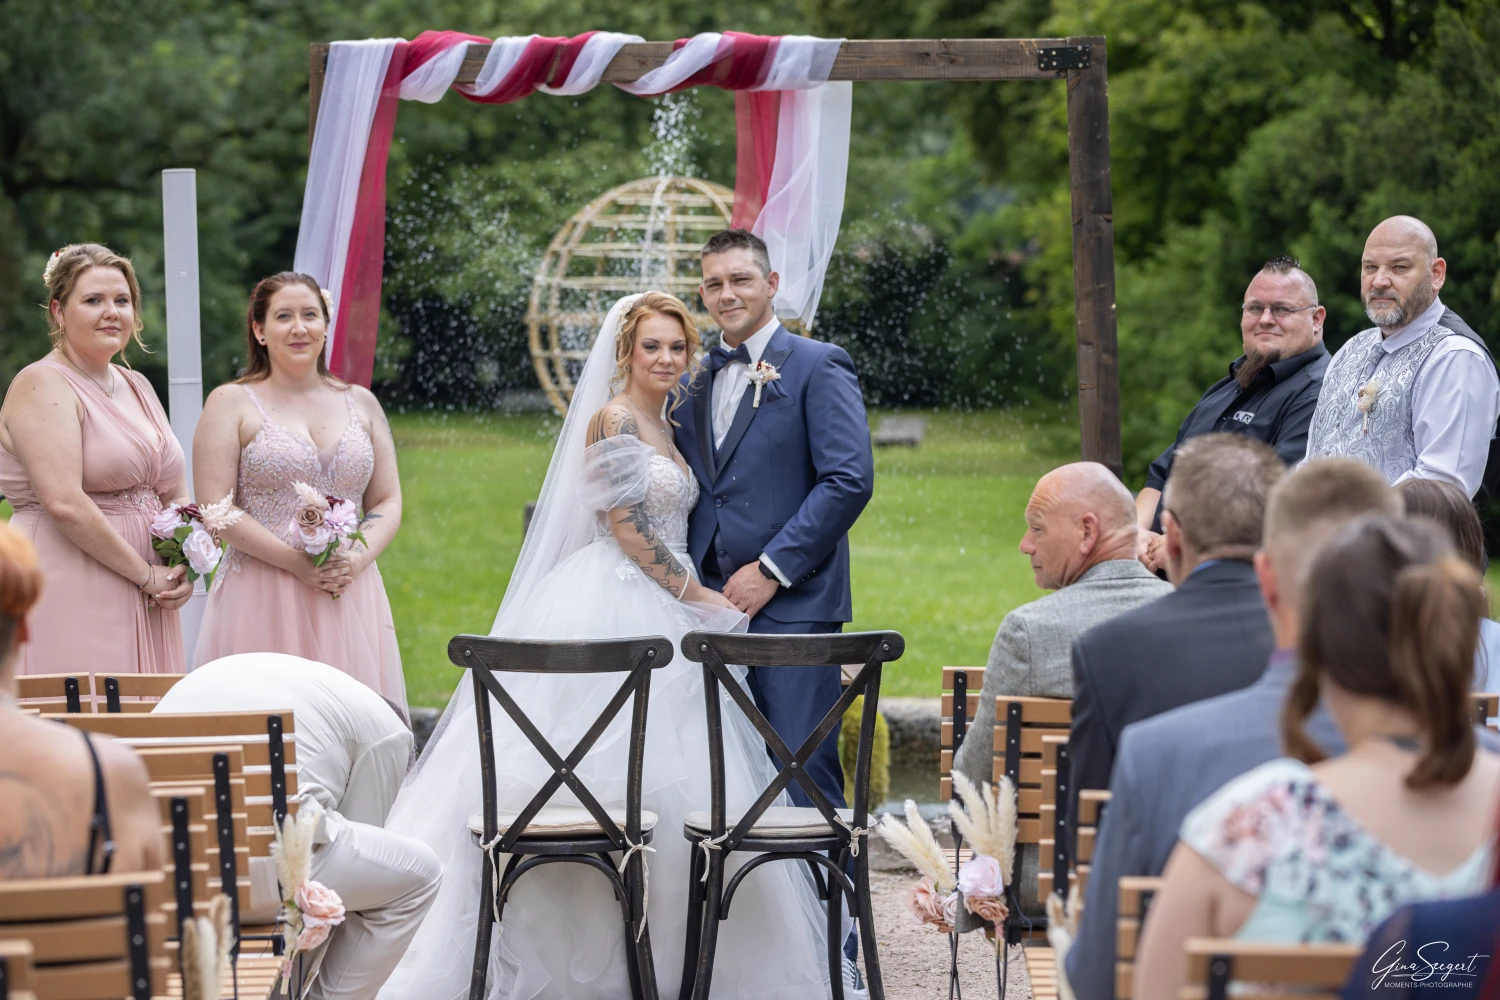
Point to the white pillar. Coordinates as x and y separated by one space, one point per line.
179 209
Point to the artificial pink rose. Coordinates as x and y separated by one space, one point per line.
163 525
318 904
201 551
981 876
313 540
310 517
930 906
312 935
990 908
343 517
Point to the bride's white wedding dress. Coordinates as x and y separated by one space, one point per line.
562 936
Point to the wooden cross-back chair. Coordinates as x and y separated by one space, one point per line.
17 977
541 834
92 937
1278 971
1136 896
821 836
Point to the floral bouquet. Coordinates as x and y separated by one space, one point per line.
933 900
189 534
322 524
987 820
310 909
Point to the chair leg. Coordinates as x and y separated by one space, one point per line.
694 923
873 983
480 972
835 935
713 904
639 930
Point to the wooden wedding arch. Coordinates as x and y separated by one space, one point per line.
1081 63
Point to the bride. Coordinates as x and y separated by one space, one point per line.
606 557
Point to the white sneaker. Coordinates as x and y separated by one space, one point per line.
854 986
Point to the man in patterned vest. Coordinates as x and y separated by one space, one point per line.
1416 397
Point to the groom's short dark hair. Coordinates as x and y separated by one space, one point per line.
740 239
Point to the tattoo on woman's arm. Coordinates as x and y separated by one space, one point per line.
652 555
612 421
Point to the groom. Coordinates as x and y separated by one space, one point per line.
782 482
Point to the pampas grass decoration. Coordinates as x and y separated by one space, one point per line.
987 818
206 944
914 840
220 914
1062 931
292 848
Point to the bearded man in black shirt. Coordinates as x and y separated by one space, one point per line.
1269 394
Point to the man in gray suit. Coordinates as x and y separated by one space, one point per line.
1081 536
1168 764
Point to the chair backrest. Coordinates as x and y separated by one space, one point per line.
55 692
1304 972
17 977
185 827
133 692
715 650
487 657
1054 867
1091 803
93 937
961 686
1136 895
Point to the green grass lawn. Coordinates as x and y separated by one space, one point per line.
934 555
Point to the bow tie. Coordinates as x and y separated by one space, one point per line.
718 357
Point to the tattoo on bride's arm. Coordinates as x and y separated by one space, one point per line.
651 554
612 421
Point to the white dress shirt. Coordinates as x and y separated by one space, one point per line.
733 379
729 388
1455 401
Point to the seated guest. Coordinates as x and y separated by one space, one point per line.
74 804
1416 396
1080 535
1167 765
1446 504
352 754
1315 849
1269 393
1208 637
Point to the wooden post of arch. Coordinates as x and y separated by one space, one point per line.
1081 63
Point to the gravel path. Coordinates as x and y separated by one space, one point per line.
914 959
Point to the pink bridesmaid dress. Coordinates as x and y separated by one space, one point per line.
91 619
255 607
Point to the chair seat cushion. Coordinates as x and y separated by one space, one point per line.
786 822
558 821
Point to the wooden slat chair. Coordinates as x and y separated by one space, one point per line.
1486 707
1136 894
1276 971
262 788
186 827
1053 865
1091 803
55 692
961 687
184 771
17 977
132 692
1041 969
93 937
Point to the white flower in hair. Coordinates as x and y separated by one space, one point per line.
51 266
327 300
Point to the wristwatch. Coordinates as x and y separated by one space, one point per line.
765 571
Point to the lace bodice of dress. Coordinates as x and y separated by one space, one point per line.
670 496
276 459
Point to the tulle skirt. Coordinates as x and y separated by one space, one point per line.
562 934
257 608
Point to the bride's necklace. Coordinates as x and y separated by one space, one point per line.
660 424
109 392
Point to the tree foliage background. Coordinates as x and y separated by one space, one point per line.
1239 130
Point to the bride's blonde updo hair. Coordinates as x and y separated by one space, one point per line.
656 304
67 265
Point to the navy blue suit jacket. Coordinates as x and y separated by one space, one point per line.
792 476
1458 933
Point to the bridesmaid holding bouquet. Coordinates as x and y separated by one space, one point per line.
287 429
87 460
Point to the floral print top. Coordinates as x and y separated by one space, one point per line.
1318 874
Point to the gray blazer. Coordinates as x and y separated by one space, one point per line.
1032 654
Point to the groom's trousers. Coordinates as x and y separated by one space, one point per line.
795 701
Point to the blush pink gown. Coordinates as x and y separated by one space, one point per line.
89 617
255 607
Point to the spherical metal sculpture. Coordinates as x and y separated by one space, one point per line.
639 236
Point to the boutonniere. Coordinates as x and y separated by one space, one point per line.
760 373
1365 400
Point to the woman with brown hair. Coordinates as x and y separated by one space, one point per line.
87 459
286 421
74 804
1313 850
